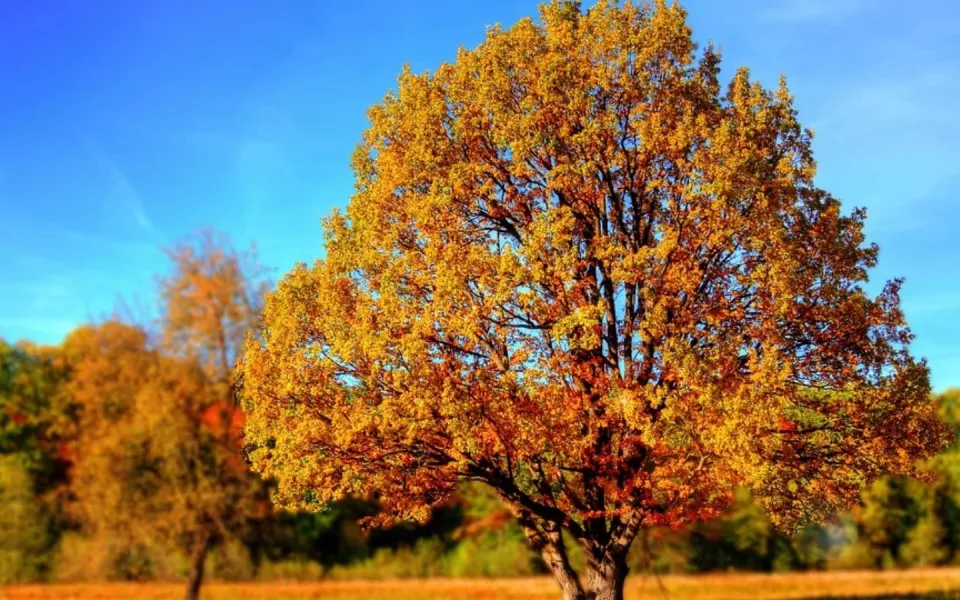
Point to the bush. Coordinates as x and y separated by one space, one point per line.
290 570
423 559
113 558
27 535
493 554
231 562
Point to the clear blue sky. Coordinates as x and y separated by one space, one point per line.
125 125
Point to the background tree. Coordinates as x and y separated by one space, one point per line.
888 513
576 270
117 481
907 522
943 496
161 432
210 301
34 423
36 417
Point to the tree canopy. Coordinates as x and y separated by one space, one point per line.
159 424
581 270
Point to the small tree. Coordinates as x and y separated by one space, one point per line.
35 420
578 271
209 303
117 481
36 417
161 434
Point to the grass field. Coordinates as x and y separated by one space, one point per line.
928 584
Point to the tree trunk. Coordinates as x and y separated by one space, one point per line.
605 577
606 563
197 560
556 558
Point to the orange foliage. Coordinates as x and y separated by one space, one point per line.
580 270
223 420
159 426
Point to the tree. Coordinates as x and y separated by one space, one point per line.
161 431
27 534
209 303
35 416
888 514
119 484
578 271
34 422
936 537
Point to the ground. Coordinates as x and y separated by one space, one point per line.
925 584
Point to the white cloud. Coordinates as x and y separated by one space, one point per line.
800 11
40 329
888 137
50 296
920 96
87 239
122 194
947 302
261 167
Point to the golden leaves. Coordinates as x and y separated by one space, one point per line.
158 436
572 263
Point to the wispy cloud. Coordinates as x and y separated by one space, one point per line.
921 96
896 126
261 164
805 11
122 193
42 309
51 295
945 302
86 239
42 329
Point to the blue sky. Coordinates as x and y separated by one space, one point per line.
125 125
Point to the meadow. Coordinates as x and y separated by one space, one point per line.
926 584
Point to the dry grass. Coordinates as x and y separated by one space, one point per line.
927 584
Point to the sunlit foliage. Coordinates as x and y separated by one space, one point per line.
580 269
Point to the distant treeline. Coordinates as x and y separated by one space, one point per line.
121 457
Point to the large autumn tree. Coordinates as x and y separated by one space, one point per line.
580 270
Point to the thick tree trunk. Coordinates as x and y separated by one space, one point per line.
604 581
605 575
556 558
606 562
197 560
605 578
